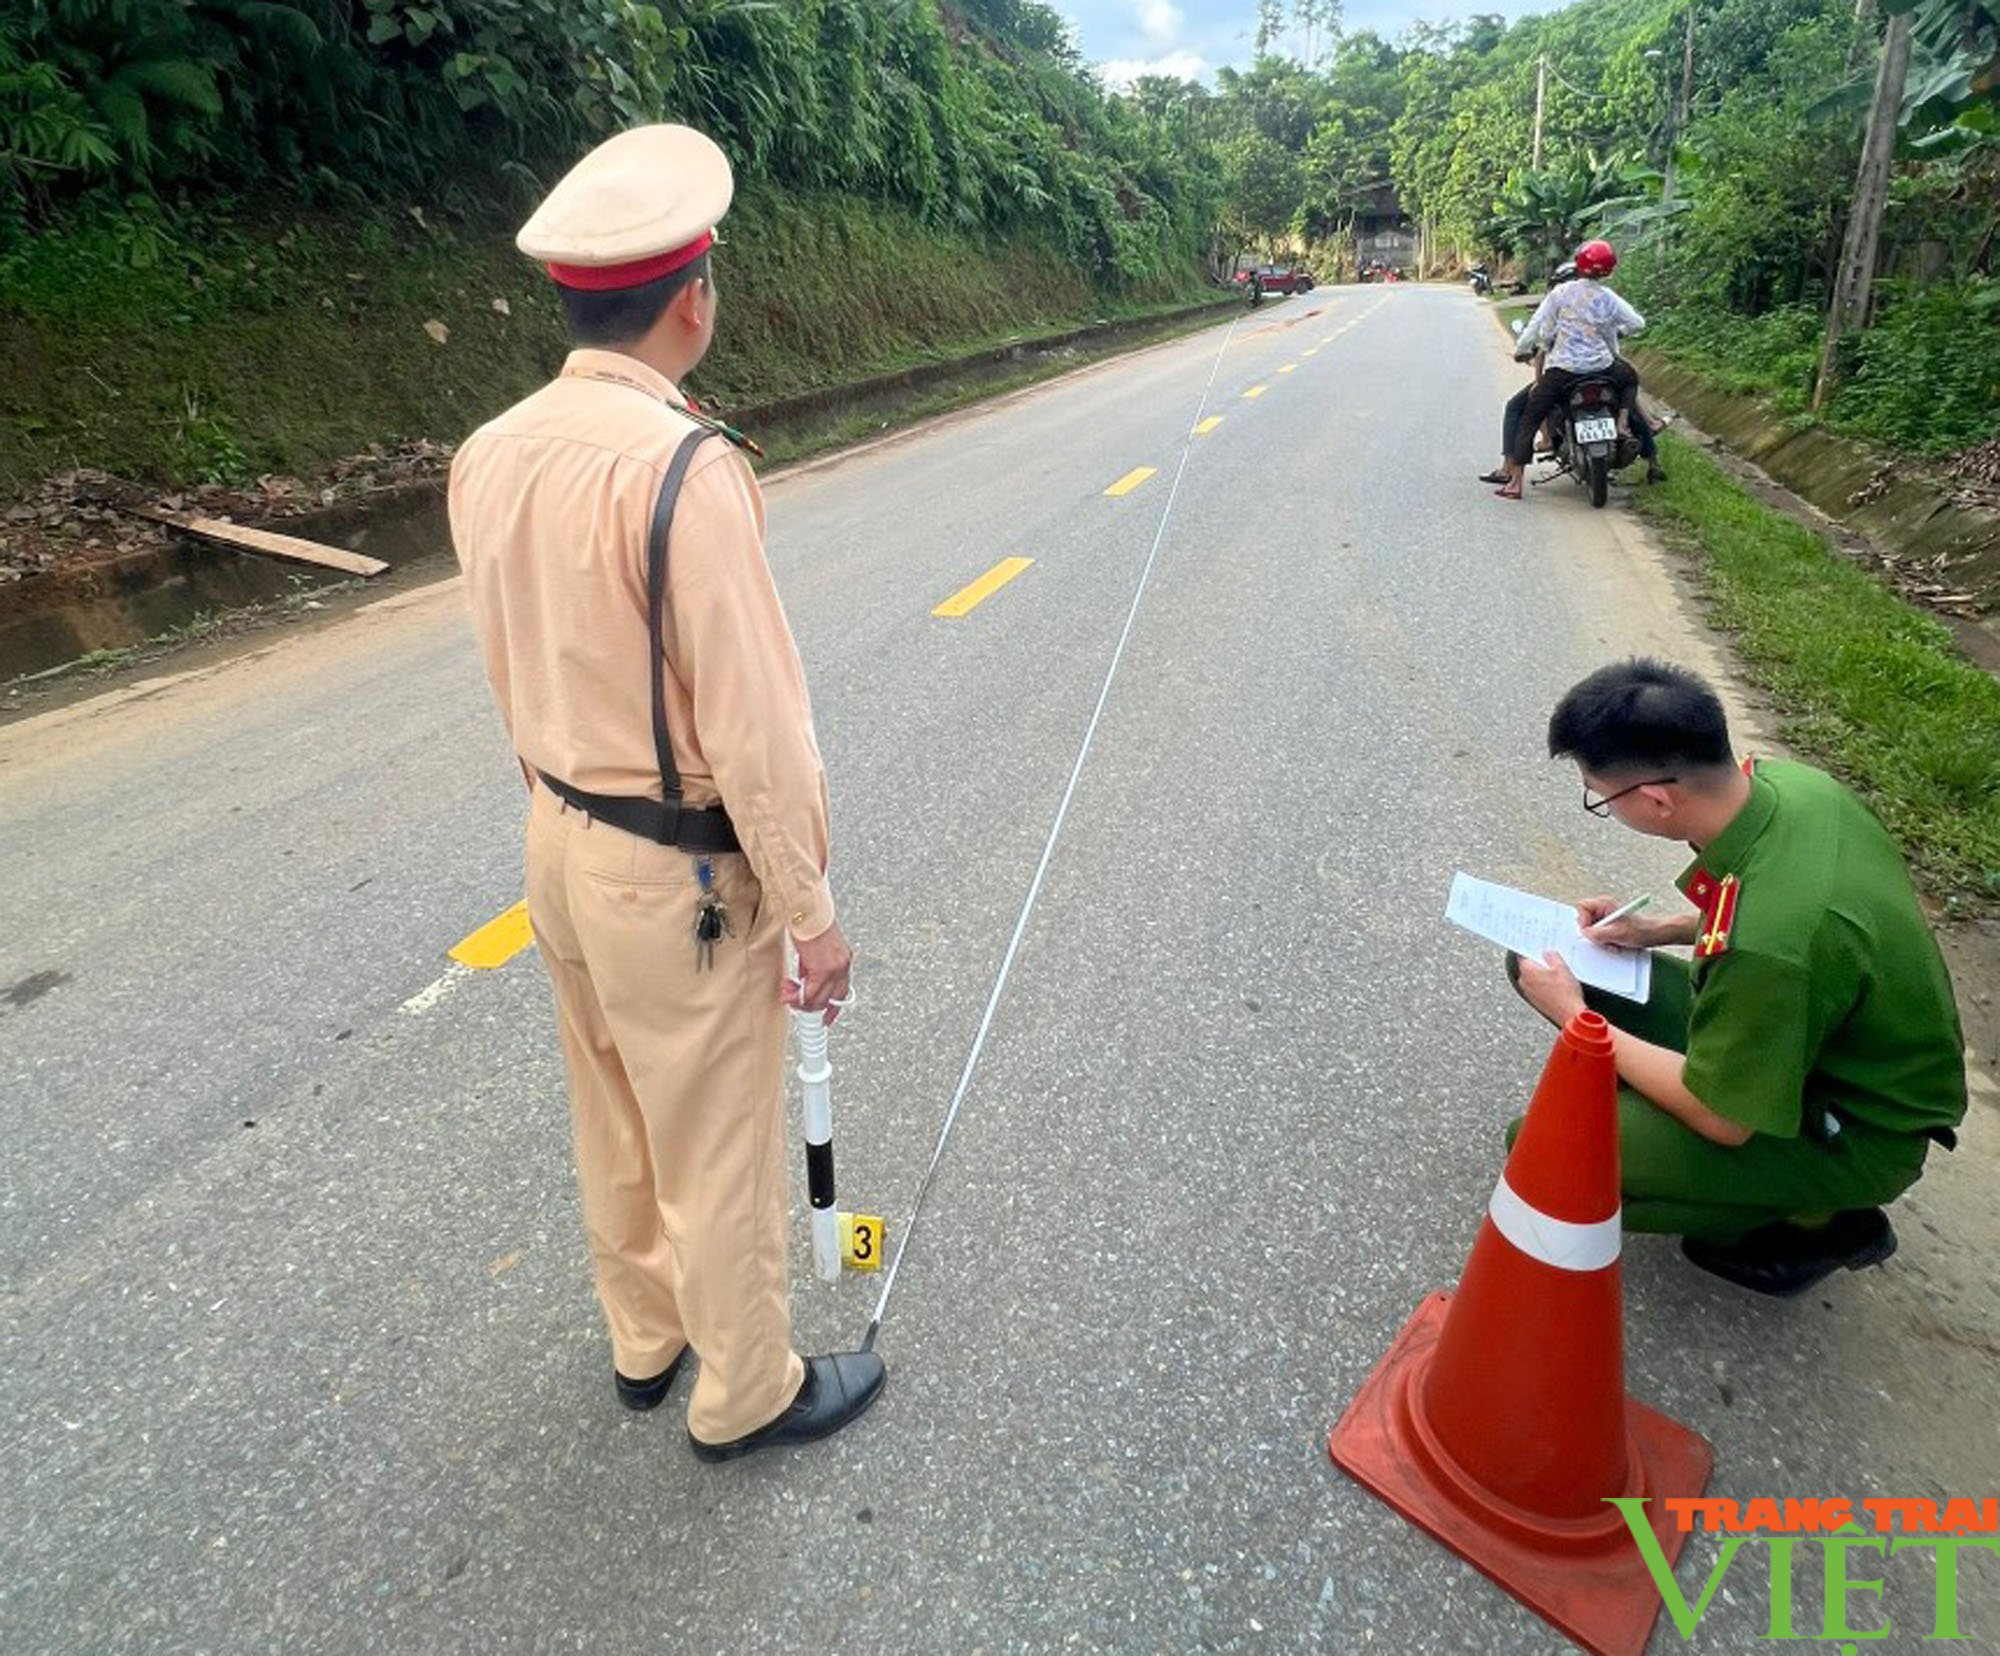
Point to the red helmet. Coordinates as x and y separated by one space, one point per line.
1596 258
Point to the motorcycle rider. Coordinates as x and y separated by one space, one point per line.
1578 325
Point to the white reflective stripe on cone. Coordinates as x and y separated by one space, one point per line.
1557 1242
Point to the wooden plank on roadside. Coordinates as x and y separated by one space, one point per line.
267 541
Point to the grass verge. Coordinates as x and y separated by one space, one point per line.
1865 683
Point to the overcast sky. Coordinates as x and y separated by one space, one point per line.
1192 37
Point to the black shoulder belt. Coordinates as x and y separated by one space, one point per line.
664 820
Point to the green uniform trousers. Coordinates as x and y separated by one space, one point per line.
1678 1183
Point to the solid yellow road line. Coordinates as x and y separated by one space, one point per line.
965 601
1131 480
1255 391
498 941
1208 425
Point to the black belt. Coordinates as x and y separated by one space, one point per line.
670 823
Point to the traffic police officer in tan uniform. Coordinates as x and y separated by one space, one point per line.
1786 1083
613 547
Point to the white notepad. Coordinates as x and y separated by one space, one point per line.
1535 926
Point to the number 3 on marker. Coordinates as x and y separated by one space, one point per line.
861 1240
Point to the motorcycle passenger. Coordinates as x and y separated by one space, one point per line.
1578 326
1510 416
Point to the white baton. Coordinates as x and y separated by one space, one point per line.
816 1078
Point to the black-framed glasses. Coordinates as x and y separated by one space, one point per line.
1602 807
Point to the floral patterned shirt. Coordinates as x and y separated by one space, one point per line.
1580 324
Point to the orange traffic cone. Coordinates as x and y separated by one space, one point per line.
1499 1421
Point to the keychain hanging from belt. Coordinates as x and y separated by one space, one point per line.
711 919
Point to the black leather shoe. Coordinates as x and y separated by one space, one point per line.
648 1394
838 1388
1786 1259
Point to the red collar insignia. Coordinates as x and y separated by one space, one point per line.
1717 902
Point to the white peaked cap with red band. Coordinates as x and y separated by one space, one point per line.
638 207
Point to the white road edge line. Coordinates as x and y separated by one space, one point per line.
429 996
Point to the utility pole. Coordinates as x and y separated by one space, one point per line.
1855 285
1680 107
1541 103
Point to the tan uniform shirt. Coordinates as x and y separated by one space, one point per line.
551 505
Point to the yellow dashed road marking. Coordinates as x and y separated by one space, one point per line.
1131 480
968 599
1208 425
498 941
1255 391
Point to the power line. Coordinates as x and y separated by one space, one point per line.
1595 97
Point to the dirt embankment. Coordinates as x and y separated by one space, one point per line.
81 573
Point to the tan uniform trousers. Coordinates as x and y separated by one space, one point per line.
676 1093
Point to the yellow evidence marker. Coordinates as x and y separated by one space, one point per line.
863 1239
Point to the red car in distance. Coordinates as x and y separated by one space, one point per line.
1278 278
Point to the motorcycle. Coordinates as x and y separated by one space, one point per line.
1584 428
1481 279
1589 445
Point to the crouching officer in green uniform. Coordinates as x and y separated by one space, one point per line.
1783 1086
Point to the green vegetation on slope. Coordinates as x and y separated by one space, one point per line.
974 116
230 229
284 349
1873 688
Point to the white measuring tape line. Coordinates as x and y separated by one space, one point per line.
1048 851
1559 1242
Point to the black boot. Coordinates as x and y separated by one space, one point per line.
1786 1259
837 1389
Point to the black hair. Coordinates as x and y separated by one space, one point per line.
1641 715
620 316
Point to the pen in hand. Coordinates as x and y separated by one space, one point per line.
1622 912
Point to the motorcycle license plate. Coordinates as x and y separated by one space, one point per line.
1597 431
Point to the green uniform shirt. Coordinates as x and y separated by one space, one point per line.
1818 986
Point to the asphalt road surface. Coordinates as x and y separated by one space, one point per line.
300 1352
